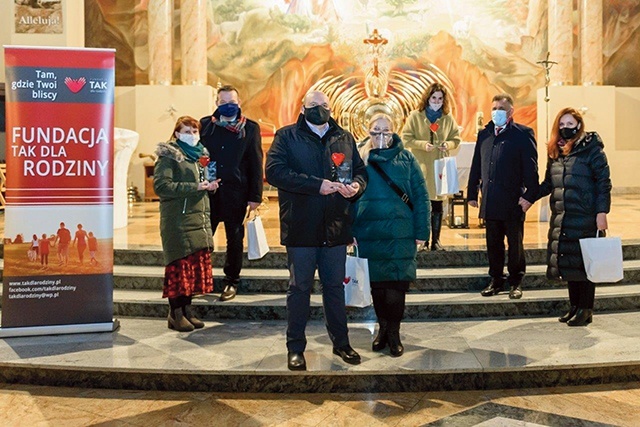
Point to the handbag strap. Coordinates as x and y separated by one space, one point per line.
393 185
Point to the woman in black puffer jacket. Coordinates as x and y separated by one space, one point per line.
578 180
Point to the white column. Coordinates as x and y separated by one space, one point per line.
193 41
560 13
160 58
591 41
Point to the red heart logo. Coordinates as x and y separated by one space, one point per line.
337 158
434 127
75 85
347 280
440 176
204 161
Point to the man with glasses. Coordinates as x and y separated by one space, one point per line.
306 162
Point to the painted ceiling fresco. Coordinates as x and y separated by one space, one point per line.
273 51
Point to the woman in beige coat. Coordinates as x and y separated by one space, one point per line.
430 133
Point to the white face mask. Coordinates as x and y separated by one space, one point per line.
189 138
435 106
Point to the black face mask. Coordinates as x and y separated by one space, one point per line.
568 133
317 115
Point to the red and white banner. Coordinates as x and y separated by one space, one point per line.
58 246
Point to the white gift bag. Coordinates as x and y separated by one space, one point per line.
446 176
357 288
256 239
602 258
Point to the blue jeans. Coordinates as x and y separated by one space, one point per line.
303 262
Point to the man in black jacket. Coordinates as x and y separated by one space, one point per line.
315 219
505 168
234 143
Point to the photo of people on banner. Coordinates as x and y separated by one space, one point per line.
58 242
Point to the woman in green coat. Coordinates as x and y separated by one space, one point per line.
179 179
387 229
430 133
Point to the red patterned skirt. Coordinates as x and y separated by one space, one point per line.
189 276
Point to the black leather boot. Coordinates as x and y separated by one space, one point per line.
436 227
572 312
380 341
396 349
583 317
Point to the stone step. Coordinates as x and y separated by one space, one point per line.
420 306
470 257
244 356
429 280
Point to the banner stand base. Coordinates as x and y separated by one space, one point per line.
85 328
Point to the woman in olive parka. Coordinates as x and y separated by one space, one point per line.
388 229
180 182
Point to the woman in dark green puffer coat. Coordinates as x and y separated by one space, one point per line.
387 230
185 227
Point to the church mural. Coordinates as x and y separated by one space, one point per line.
273 51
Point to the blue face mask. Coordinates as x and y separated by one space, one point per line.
228 110
499 117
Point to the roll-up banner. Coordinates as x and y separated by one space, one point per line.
58 243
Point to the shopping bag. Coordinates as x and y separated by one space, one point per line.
256 239
357 288
602 258
446 176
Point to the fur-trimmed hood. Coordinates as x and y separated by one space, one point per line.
172 151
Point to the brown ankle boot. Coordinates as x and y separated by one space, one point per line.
197 323
178 322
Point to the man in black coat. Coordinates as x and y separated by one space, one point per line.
505 169
315 219
234 143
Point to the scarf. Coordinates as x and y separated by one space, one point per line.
433 116
236 126
192 154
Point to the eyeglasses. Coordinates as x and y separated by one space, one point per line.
375 134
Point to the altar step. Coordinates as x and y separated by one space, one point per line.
271 280
420 306
246 356
277 259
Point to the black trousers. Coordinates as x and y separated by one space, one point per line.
233 261
582 294
513 230
330 262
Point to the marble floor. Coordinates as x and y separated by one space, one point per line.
519 344
615 404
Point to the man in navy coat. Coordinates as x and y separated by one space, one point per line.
504 169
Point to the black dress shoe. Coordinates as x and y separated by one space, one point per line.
494 288
572 312
347 354
583 317
296 362
228 293
515 292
